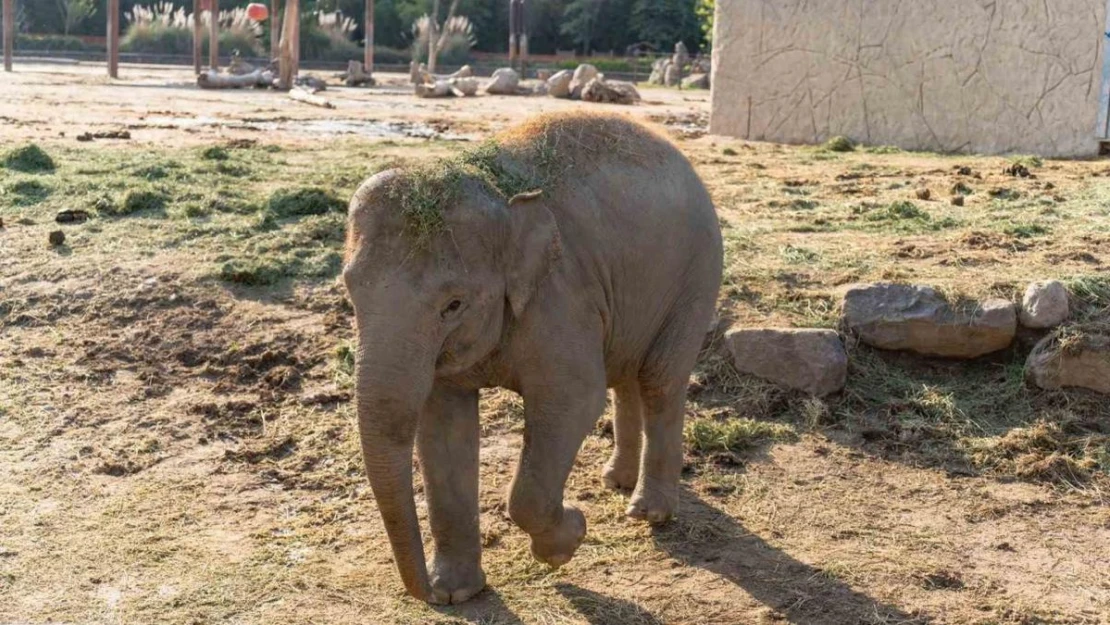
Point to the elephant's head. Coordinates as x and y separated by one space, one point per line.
437 267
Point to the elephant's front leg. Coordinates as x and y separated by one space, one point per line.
557 418
447 441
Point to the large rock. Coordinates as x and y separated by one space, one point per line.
504 82
582 76
558 86
658 71
611 92
1075 357
672 76
918 319
696 81
813 361
1045 305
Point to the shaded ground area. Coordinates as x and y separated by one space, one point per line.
177 443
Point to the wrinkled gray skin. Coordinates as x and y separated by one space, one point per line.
608 281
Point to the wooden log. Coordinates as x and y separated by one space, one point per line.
9 33
113 38
213 79
300 95
198 37
368 55
214 35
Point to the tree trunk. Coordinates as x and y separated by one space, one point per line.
198 37
368 60
214 35
113 38
287 66
9 33
275 29
433 36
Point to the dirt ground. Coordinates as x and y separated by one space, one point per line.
177 441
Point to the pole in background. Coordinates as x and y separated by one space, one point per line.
214 34
275 29
9 33
522 38
514 6
198 36
113 38
368 60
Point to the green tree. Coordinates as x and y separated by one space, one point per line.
666 22
74 12
580 21
705 10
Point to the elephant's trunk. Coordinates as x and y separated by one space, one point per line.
393 380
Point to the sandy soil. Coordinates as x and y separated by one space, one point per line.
174 450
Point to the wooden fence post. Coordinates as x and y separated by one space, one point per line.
198 37
368 60
9 33
275 29
113 38
214 35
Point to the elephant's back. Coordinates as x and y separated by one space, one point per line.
639 223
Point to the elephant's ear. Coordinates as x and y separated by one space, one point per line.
532 249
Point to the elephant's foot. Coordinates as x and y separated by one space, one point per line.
557 546
620 474
653 504
455 582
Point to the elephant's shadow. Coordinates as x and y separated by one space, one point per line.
704 537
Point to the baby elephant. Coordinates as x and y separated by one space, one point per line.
572 254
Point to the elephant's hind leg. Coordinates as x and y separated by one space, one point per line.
447 441
628 432
663 381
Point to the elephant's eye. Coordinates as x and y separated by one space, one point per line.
451 308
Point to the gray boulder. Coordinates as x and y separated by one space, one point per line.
696 81
610 92
672 75
1045 305
813 361
558 86
918 319
582 76
658 71
1073 357
504 82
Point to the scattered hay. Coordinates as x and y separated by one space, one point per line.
27 192
706 436
136 200
304 201
30 159
1060 450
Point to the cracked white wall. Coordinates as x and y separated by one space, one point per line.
947 75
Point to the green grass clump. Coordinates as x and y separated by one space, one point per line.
27 192
136 200
1027 161
29 159
304 201
271 270
839 144
215 153
1026 231
729 152
705 436
882 149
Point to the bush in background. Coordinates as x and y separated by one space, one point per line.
162 29
327 37
455 41
49 43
